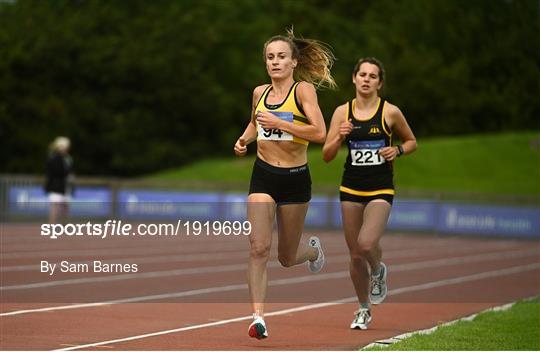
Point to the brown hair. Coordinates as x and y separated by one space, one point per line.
373 61
315 59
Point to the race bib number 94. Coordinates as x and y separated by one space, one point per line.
366 153
275 134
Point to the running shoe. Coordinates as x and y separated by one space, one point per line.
378 289
257 329
362 317
316 265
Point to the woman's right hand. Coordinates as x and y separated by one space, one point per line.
240 148
344 129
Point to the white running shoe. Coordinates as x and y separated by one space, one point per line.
378 289
362 317
257 329
316 265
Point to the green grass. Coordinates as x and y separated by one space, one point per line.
213 169
492 164
515 329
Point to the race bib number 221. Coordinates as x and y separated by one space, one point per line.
366 153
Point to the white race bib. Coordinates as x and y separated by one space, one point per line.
275 134
366 153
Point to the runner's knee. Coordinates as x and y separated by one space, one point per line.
260 251
365 248
357 257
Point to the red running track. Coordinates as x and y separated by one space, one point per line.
190 293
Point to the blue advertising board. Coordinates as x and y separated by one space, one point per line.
318 212
489 220
234 206
420 215
335 206
32 200
323 211
141 204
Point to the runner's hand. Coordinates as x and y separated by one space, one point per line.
268 120
240 147
389 153
344 129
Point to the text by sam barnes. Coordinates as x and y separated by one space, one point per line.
96 266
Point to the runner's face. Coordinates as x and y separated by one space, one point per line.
367 79
279 61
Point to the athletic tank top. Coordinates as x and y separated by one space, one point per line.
364 142
288 110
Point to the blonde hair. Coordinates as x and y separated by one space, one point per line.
60 143
315 59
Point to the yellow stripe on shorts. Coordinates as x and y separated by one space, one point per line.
366 193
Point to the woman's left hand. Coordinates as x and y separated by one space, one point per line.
268 120
389 153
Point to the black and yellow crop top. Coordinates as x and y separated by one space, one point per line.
288 110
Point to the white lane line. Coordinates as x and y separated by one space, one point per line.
143 249
239 267
301 279
205 256
217 323
446 282
176 258
44 246
197 292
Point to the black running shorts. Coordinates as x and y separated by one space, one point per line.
284 185
343 196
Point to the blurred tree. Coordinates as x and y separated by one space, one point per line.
140 86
